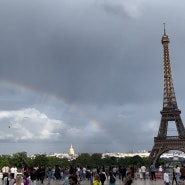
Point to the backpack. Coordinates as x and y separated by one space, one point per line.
112 179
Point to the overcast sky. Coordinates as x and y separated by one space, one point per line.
87 73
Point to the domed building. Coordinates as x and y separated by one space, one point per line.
71 151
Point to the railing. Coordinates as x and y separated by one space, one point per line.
168 138
172 137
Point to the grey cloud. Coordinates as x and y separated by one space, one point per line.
88 61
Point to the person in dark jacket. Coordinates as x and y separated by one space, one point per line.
33 177
102 176
57 172
42 174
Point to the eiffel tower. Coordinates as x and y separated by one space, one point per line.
170 112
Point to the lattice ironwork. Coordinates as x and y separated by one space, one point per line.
170 112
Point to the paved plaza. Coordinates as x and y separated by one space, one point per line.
118 182
136 181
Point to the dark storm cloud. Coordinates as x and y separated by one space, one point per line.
68 52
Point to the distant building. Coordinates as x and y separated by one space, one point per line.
71 151
70 155
171 156
123 155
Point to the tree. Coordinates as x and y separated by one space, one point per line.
84 159
18 159
96 160
52 161
122 161
4 161
135 160
40 160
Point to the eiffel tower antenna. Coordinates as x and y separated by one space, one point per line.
164 29
170 112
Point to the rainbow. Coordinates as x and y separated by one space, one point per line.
43 96
95 124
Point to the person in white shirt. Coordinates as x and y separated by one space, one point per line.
12 170
5 171
143 171
177 173
114 170
166 178
15 172
84 173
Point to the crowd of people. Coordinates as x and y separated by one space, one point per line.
66 176
170 175
178 175
143 172
96 176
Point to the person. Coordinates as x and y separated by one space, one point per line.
88 173
15 172
66 180
152 171
119 172
96 180
123 172
182 172
24 169
72 180
102 176
143 171
42 174
19 180
25 179
57 172
128 179
92 178
174 177
12 170
166 178
132 171
12 180
177 172
49 175
183 181
140 173
5 171
112 179
33 177
6 179
114 171
83 173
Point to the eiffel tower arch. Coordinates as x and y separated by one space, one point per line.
170 112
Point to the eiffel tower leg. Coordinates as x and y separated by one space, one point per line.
163 145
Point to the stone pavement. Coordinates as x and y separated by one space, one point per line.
135 182
118 182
